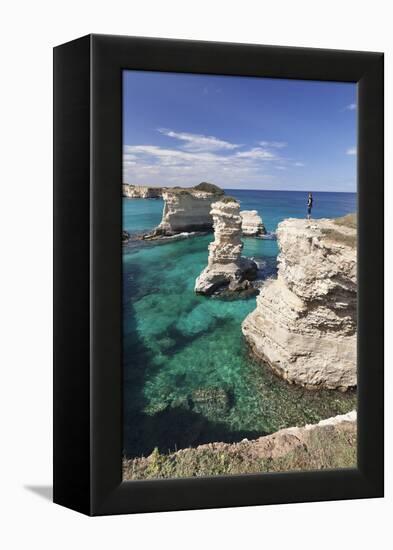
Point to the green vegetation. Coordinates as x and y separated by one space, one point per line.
204 186
180 190
228 198
322 448
209 188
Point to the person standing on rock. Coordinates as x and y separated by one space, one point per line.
309 205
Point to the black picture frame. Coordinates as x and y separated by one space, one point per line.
88 271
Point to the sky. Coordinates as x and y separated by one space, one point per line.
238 132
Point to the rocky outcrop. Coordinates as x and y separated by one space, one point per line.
329 444
226 267
141 191
304 325
252 225
187 209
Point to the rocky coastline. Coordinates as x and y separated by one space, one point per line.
142 191
227 268
304 325
329 444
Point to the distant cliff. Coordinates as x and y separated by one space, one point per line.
187 209
305 324
141 191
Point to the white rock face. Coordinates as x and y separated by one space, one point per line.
252 225
225 264
187 209
304 325
141 192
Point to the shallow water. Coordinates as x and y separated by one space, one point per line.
188 377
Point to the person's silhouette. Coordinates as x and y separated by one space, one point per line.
309 205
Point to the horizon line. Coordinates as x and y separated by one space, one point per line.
241 189
288 190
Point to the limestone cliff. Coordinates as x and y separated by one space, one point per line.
141 191
226 266
187 209
304 325
252 224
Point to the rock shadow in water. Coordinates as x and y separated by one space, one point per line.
177 428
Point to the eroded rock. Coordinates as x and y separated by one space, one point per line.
252 224
226 267
304 325
187 209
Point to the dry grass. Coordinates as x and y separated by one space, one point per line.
350 220
324 449
343 237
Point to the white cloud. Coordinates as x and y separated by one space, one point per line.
164 166
170 157
351 151
350 107
299 164
275 144
256 153
201 158
199 142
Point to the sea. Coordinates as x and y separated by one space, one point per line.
188 376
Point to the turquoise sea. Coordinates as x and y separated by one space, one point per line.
188 376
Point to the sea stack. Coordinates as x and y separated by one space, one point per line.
252 224
141 191
187 209
226 267
304 325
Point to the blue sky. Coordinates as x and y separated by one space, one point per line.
238 132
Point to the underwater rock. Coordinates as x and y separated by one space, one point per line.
156 407
181 403
166 343
187 209
141 191
237 291
304 325
225 266
199 320
252 225
210 401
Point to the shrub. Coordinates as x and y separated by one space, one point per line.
209 188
